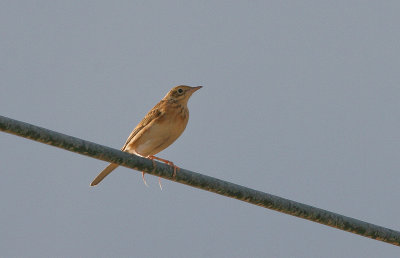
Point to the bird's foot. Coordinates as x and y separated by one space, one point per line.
144 180
176 168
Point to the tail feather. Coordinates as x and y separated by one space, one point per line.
104 173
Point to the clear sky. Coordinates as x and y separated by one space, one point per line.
300 100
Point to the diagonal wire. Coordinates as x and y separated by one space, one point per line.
197 180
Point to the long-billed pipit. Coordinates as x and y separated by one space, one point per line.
164 123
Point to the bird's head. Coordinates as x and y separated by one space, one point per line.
181 93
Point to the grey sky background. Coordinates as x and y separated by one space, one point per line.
300 99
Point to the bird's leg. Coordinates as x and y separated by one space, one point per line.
176 168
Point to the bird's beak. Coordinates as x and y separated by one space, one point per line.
196 88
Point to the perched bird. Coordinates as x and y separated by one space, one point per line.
164 123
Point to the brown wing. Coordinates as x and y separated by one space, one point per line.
154 113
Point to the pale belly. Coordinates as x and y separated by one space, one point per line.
156 138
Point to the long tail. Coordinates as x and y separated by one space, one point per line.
104 173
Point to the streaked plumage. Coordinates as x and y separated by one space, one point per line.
162 125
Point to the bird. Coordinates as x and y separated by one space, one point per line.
162 125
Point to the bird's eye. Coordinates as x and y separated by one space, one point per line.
180 91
